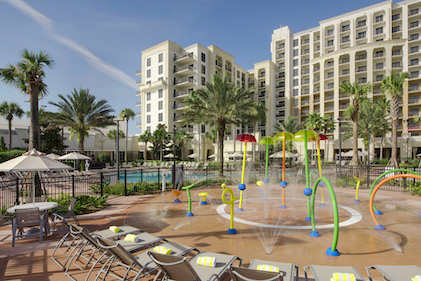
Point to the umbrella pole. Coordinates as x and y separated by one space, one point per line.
242 173
320 168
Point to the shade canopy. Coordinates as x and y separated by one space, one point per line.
311 136
246 137
282 135
170 155
32 161
236 155
267 140
288 154
53 156
74 156
194 155
212 156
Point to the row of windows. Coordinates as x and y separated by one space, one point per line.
160 94
160 119
160 59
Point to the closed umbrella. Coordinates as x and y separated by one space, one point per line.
32 161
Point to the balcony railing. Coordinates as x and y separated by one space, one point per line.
329 97
182 68
138 103
181 93
412 101
316 100
182 56
184 80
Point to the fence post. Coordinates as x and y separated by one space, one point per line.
125 182
102 184
414 178
73 185
159 178
206 178
141 175
17 191
368 175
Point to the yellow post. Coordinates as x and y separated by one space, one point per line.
356 190
320 168
231 230
242 173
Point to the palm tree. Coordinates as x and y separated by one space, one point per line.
160 139
145 137
127 114
81 112
112 135
313 121
182 138
289 125
327 126
393 86
8 111
358 94
28 76
219 104
383 103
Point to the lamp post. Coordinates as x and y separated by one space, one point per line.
117 147
340 146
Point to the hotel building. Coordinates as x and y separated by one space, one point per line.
304 74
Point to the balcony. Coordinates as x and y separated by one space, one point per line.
305 102
181 94
316 90
329 97
305 81
343 61
414 114
280 105
138 103
362 69
329 64
330 86
305 71
343 106
280 56
396 65
413 101
184 70
305 92
281 85
184 58
345 72
153 85
317 79
280 46
228 68
262 75
343 96
138 124
361 57
218 63
316 100
305 41
138 72
329 108
185 82
329 75
178 106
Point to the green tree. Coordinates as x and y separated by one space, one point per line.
327 126
52 139
28 76
393 86
2 144
219 104
145 137
182 138
314 121
160 140
8 111
384 103
81 112
288 125
112 135
127 114
358 95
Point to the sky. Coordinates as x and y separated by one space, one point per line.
96 44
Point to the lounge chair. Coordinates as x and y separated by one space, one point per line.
323 273
66 214
141 265
28 217
395 272
286 271
180 269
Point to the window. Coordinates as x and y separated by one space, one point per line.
396 64
295 102
330 43
148 119
396 17
378 54
160 69
361 35
379 65
379 18
160 105
295 112
295 62
203 81
413 24
161 57
203 57
148 73
263 133
148 96
295 43
414 49
295 52
379 77
295 72
148 62
295 92
160 117
345 28
414 61
413 37
148 107
345 39
238 74
148 129
295 82
329 32
413 12
398 52
160 93
361 23
379 30
362 80
396 29
203 69
415 74
203 128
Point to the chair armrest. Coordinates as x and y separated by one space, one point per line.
368 271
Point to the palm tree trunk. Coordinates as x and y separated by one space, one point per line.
221 130
145 157
10 133
81 143
381 147
127 132
394 106
34 136
355 141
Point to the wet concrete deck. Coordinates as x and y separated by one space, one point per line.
359 244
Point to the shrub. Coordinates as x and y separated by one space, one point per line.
413 188
349 182
7 155
381 161
131 188
84 204
103 157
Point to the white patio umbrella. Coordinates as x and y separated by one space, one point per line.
236 154
287 155
350 154
33 161
194 155
74 156
53 156
169 155
212 156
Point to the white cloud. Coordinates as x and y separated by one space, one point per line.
92 59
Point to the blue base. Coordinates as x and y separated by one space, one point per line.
419 214
283 207
335 253
240 210
177 201
232 231
323 205
314 233
203 203
379 227
308 218
259 189
378 212
357 201
189 214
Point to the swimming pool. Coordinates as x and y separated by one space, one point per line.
152 176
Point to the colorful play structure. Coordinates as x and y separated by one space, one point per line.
243 138
356 190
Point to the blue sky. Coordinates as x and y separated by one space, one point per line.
96 44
